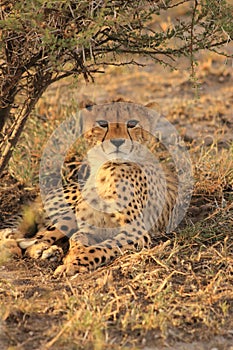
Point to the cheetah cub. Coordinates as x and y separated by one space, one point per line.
119 198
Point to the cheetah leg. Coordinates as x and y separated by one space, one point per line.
82 258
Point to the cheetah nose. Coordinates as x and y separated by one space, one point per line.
117 142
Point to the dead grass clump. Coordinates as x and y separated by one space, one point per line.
213 169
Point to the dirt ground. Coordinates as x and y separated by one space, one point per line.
178 295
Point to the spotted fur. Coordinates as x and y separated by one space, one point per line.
123 202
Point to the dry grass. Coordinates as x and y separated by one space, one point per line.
178 290
213 169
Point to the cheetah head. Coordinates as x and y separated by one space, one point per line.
116 130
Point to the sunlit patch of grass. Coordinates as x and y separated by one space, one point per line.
213 169
178 286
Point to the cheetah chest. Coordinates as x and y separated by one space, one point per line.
119 194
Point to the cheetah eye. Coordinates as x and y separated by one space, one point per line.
132 123
102 123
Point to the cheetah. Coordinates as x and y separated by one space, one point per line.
126 199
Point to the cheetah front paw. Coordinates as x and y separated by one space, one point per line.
53 253
69 270
43 251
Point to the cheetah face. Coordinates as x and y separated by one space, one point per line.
121 141
116 131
